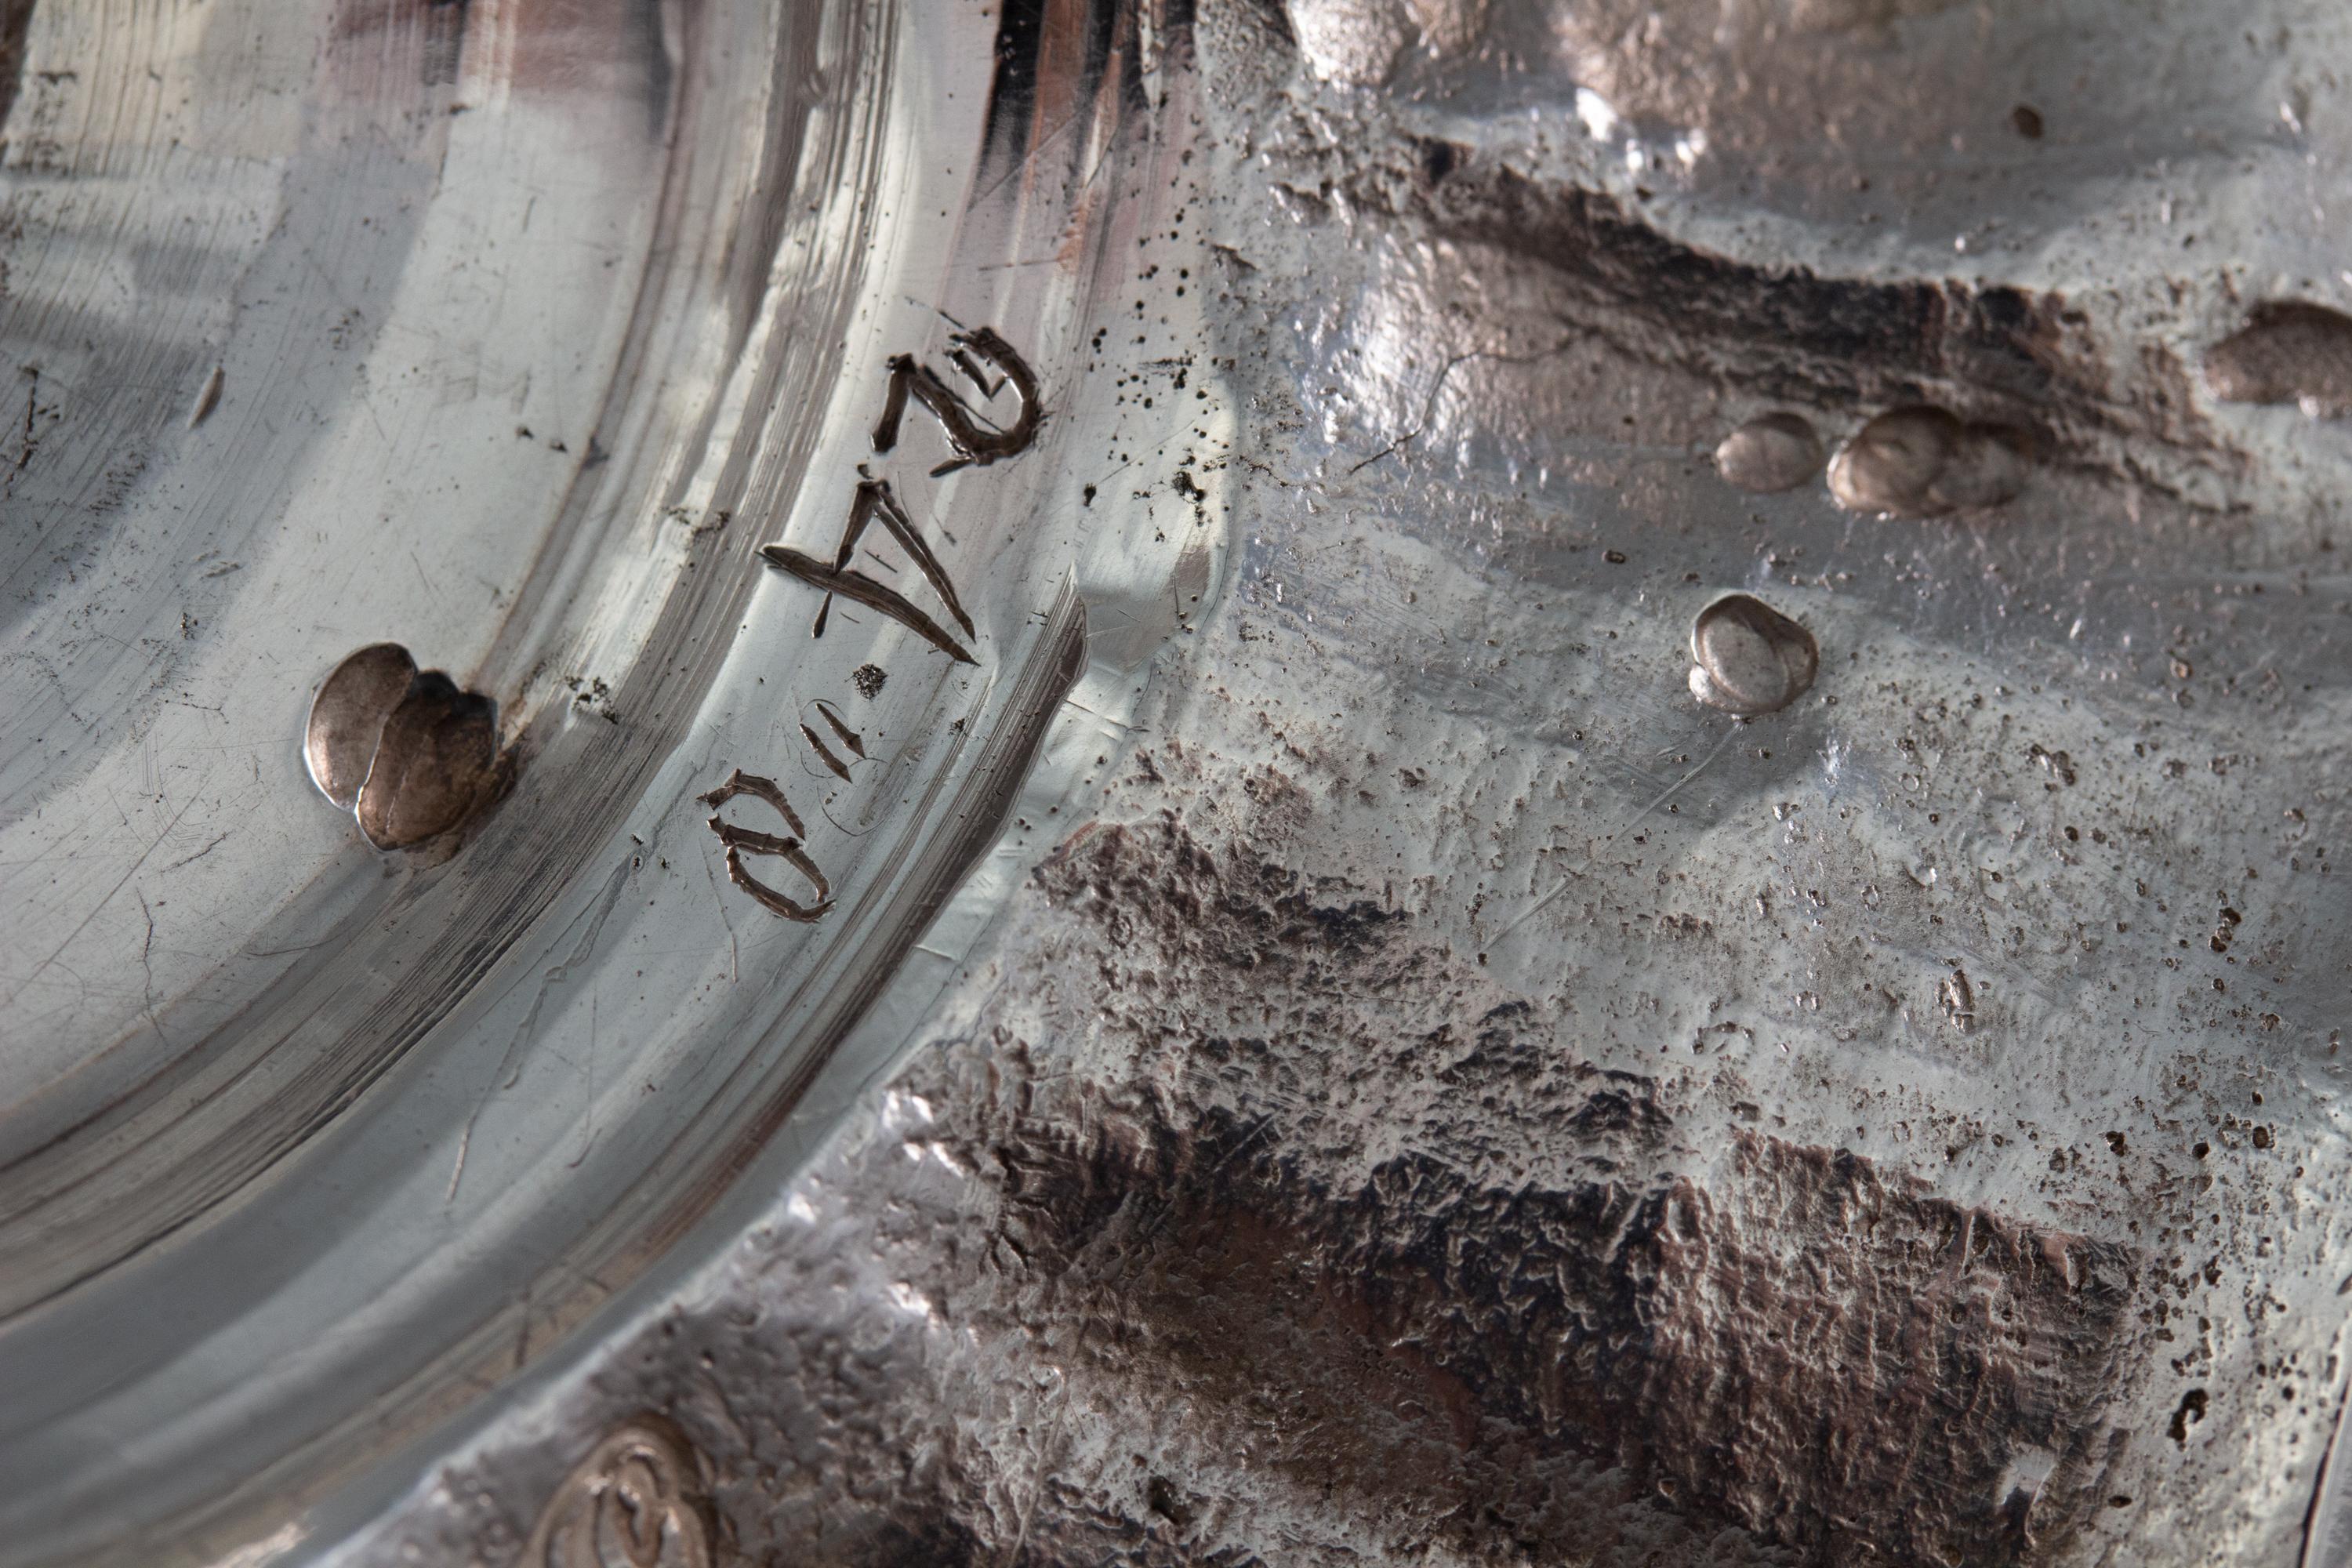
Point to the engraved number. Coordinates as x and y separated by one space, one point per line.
741 841
876 502
972 439
977 441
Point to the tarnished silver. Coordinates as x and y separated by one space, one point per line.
1748 658
1108 929
409 755
347 716
1769 453
1924 462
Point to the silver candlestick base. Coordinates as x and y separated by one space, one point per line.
1383 781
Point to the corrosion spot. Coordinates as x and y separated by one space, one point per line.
2191 1411
2288 352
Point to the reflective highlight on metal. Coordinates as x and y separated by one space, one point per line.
509 335
1924 462
402 750
1748 658
1169 816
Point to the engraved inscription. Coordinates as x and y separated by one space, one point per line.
849 737
876 502
743 841
635 1502
993 369
824 753
973 439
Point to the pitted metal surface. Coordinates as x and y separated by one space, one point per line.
1364 1057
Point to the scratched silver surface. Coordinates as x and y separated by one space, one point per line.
1317 1047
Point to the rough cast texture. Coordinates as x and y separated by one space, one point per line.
1246 1223
1457 1102
1498 1272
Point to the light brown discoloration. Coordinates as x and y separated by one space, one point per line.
436 762
2287 352
406 752
347 716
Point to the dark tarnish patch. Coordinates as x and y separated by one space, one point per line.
435 765
2002 353
1529 1295
404 750
16 21
392 48
1858 336
1845 1362
2288 352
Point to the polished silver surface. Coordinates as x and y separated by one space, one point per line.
517 334
1172 868
347 716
